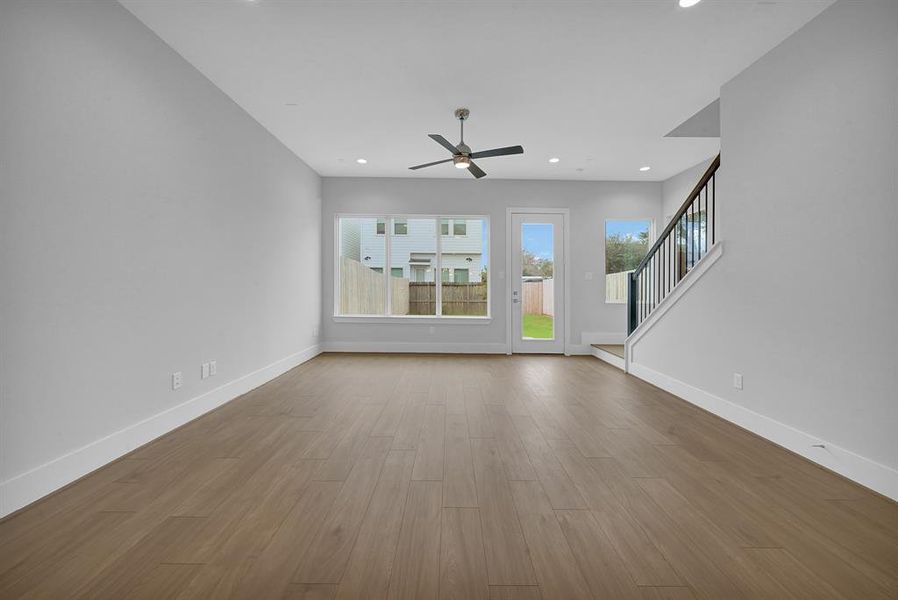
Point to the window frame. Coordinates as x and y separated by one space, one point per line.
651 222
387 269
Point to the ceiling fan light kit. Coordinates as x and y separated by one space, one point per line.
461 154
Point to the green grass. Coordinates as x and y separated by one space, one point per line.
538 326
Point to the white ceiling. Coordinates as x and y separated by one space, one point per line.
595 83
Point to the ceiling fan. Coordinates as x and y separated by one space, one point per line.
461 154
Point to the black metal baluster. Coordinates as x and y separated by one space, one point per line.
666 267
641 297
706 222
692 228
652 285
679 241
660 274
713 206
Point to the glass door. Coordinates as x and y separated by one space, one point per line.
537 296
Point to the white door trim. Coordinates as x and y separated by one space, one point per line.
509 313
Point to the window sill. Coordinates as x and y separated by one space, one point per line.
412 320
615 301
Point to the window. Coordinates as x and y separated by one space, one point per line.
456 227
464 258
361 280
388 266
626 244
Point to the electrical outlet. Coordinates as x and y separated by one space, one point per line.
213 368
315 333
204 371
177 379
737 381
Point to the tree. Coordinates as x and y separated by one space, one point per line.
534 266
625 252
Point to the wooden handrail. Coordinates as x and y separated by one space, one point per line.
706 177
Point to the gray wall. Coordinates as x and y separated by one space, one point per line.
802 302
675 189
590 204
147 225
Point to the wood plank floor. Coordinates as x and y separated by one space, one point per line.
359 476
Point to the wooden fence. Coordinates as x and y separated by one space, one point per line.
539 297
459 299
533 297
616 286
362 290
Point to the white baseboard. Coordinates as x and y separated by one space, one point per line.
416 347
611 359
577 350
864 471
23 489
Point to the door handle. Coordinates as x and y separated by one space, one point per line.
515 300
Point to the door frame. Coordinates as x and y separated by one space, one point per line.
566 231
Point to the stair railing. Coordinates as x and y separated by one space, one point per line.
687 237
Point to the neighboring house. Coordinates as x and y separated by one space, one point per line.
413 247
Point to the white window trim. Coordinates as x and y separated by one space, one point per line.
604 250
439 318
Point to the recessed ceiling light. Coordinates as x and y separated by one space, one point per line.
361 161
554 160
688 3
645 168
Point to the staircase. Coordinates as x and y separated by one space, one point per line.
687 238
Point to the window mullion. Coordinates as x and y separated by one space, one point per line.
438 271
388 238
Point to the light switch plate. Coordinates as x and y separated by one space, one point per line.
177 379
213 368
204 371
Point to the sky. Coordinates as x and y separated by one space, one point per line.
631 228
537 238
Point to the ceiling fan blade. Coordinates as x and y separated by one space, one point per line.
476 171
439 162
443 142
498 152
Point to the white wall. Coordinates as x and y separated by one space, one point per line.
147 225
590 204
803 300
